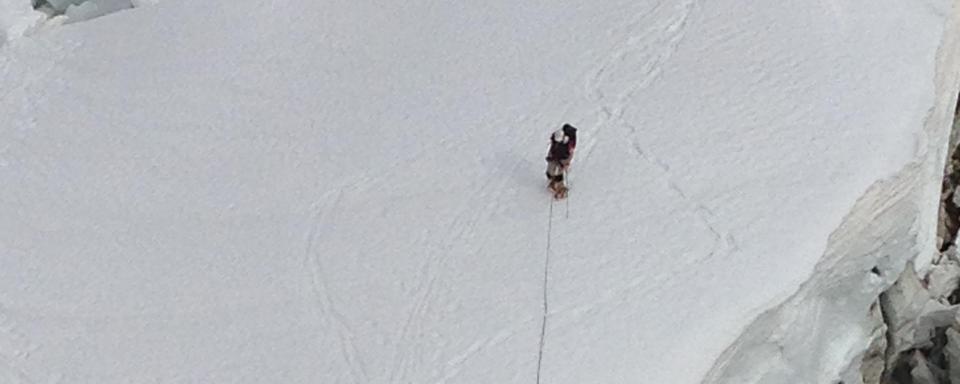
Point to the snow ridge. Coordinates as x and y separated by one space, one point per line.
823 329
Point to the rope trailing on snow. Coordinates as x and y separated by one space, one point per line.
546 269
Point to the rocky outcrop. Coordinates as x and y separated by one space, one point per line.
916 320
920 319
874 358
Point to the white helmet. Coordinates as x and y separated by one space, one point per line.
559 137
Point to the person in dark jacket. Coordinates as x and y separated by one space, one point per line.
562 144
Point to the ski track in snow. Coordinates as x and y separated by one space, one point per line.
632 67
424 292
454 365
467 225
322 291
724 241
407 341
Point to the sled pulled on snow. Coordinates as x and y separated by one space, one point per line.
559 190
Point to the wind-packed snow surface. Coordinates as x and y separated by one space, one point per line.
353 192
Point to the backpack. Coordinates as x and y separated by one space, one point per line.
571 132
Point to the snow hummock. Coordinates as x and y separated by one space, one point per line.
16 18
95 8
19 18
353 192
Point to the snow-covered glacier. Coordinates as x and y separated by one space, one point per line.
353 191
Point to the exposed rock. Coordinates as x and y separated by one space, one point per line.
873 364
923 372
905 308
921 315
943 279
949 222
917 322
952 354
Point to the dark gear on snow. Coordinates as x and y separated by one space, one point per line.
562 144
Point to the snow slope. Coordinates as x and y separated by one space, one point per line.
16 18
352 192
